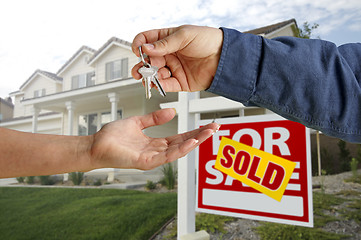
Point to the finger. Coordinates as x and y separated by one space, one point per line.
149 37
135 73
213 127
156 118
164 73
180 150
172 43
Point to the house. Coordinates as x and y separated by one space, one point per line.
95 87
6 109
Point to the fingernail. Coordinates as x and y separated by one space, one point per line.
175 110
218 127
196 141
149 46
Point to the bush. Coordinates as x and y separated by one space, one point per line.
150 185
76 177
344 156
211 223
353 165
46 180
30 180
169 176
20 179
98 182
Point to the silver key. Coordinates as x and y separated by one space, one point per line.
159 87
148 74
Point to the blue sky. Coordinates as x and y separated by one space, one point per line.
42 34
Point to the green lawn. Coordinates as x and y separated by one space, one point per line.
63 213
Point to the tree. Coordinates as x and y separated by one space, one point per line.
306 30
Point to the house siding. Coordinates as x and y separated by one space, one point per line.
79 66
113 53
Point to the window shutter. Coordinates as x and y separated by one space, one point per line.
124 73
75 82
43 91
108 71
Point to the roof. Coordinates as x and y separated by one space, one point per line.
67 63
110 42
49 75
7 102
271 28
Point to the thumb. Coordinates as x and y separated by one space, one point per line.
170 44
159 117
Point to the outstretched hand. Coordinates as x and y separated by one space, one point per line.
122 144
187 56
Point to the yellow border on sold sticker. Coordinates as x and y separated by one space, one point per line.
260 170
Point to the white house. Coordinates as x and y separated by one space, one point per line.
95 87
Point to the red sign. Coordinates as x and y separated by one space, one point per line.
219 193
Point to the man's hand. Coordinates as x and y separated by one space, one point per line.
122 144
187 56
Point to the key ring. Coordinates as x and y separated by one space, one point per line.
142 57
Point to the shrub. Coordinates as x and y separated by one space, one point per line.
353 165
46 180
98 182
169 176
344 156
20 179
76 177
150 185
211 223
30 180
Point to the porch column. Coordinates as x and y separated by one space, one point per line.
35 119
70 106
113 99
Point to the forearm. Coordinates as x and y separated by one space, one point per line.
309 81
27 154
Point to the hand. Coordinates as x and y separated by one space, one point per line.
122 144
187 56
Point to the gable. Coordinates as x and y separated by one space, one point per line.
83 54
109 46
38 82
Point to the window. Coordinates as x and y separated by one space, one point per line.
83 80
106 117
87 124
39 93
91 123
116 70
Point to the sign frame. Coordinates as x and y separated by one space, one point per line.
262 213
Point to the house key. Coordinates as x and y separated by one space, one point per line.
150 75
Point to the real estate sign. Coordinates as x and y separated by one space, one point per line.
219 193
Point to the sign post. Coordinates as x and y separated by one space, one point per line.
219 193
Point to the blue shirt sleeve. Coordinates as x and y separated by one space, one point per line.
309 81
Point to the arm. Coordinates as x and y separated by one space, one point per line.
119 144
309 81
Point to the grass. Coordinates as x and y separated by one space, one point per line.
62 213
321 204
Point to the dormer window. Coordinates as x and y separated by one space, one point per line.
39 93
82 80
116 69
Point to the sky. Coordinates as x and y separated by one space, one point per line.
43 34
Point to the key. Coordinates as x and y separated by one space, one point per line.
148 74
159 87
